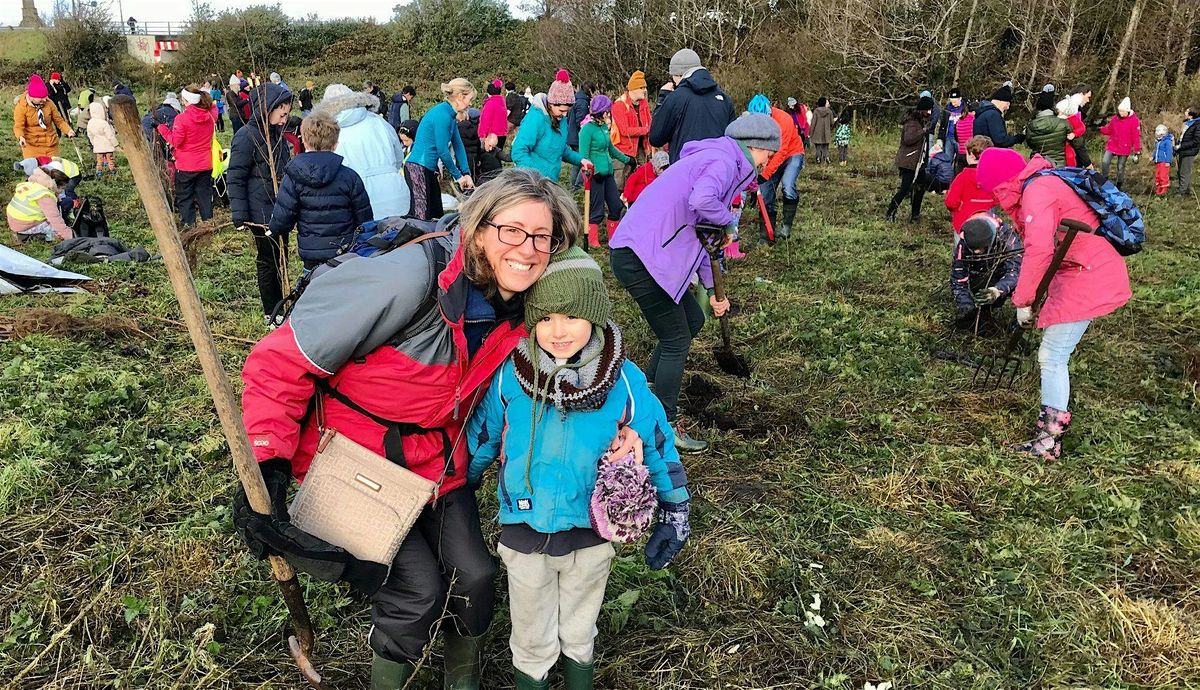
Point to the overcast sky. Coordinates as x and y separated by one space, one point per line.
177 10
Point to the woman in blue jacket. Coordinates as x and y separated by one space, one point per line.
549 417
541 142
438 139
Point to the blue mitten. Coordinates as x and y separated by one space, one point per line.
669 535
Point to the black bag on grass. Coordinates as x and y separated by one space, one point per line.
90 220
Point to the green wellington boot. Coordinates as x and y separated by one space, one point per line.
577 676
784 231
462 661
524 682
389 675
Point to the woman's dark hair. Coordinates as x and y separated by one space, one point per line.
822 102
511 86
493 90
408 89
206 101
916 114
1081 88
844 118
1193 112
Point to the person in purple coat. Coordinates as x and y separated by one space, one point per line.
656 249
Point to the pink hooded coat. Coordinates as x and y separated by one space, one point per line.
1124 135
1092 280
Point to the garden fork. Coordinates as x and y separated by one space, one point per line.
1002 369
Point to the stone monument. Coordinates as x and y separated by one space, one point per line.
29 16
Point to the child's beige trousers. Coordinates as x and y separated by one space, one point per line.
554 602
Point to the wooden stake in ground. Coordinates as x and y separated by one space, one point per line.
148 180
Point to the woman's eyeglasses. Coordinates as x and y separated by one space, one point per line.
515 237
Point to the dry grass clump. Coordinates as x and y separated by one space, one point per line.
61 325
197 237
1152 642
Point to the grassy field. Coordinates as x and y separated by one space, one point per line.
22 46
858 521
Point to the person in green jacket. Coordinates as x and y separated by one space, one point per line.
595 144
541 141
1047 134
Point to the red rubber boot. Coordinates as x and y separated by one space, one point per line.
610 229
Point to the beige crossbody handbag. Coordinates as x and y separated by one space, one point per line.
359 500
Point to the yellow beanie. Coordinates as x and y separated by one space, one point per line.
637 80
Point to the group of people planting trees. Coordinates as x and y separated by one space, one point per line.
1008 216
480 334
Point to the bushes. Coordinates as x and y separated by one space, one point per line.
258 38
85 45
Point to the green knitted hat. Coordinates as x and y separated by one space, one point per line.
573 285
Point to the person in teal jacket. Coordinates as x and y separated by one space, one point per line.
596 146
541 141
549 417
438 139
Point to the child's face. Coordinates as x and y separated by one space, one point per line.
561 335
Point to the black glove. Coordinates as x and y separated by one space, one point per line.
274 535
670 533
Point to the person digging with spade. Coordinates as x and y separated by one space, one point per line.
983 273
658 249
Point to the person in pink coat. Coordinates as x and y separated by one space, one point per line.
493 128
1091 281
1124 134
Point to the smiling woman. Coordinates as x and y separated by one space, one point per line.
399 349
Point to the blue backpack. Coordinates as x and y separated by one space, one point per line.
383 235
1120 220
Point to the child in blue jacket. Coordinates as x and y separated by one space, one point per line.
549 417
1164 153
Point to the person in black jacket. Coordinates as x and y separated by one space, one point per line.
468 129
1189 146
233 105
989 119
983 272
323 199
583 98
696 109
517 107
257 158
120 89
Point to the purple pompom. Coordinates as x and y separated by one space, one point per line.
623 501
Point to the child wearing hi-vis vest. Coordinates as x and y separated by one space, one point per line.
548 417
33 210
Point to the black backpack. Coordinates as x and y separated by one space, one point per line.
89 218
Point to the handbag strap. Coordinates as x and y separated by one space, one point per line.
393 437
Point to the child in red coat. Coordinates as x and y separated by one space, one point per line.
965 198
645 174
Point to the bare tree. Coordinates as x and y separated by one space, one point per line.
1110 85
